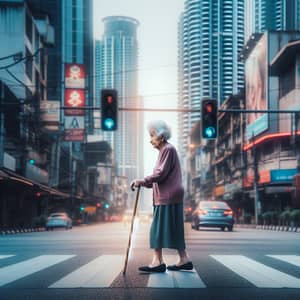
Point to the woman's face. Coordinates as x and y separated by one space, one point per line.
155 140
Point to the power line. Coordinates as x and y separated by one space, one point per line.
21 59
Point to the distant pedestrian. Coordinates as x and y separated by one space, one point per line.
167 228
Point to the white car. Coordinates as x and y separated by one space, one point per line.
58 220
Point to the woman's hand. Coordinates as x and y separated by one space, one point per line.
136 183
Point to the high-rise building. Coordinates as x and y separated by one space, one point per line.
74 43
117 63
278 15
211 34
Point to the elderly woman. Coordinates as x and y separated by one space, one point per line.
167 228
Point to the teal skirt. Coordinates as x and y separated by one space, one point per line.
167 228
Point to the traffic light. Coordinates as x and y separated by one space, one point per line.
109 109
32 161
209 118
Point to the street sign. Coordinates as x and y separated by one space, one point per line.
74 129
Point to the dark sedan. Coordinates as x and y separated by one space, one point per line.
213 214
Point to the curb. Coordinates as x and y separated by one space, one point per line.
21 230
270 227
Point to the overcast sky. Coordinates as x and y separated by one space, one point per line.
157 39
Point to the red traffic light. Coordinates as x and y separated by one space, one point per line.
209 107
109 99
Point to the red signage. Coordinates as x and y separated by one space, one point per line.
74 98
74 76
264 176
74 135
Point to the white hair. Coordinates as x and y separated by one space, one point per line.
161 128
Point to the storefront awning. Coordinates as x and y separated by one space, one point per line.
6 174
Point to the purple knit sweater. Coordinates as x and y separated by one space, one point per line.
166 179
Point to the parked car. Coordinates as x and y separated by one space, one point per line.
59 219
213 214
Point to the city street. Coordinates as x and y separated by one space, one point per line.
87 261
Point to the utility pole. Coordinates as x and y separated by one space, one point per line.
1 124
257 203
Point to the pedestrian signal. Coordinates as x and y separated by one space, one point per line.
209 118
109 109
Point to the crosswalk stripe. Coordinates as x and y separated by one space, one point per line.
19 270
100 272
175 279
258 274
292 259
5 256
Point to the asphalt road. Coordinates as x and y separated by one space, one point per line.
87 262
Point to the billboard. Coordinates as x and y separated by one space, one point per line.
74 76
74 98
256 76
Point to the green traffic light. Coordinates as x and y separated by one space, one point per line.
32 161
210 132
109 123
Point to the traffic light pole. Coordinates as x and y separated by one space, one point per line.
1 125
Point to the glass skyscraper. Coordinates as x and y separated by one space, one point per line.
117 63
272 15
211 34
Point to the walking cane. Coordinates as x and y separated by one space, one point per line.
131 228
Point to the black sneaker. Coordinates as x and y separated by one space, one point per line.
187 267
158 269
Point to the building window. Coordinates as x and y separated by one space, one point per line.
287 81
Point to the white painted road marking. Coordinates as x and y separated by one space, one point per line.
175 279
5 256
258 274
19 270
100 272
291 259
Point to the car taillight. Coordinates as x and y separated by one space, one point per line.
202 212
228 212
